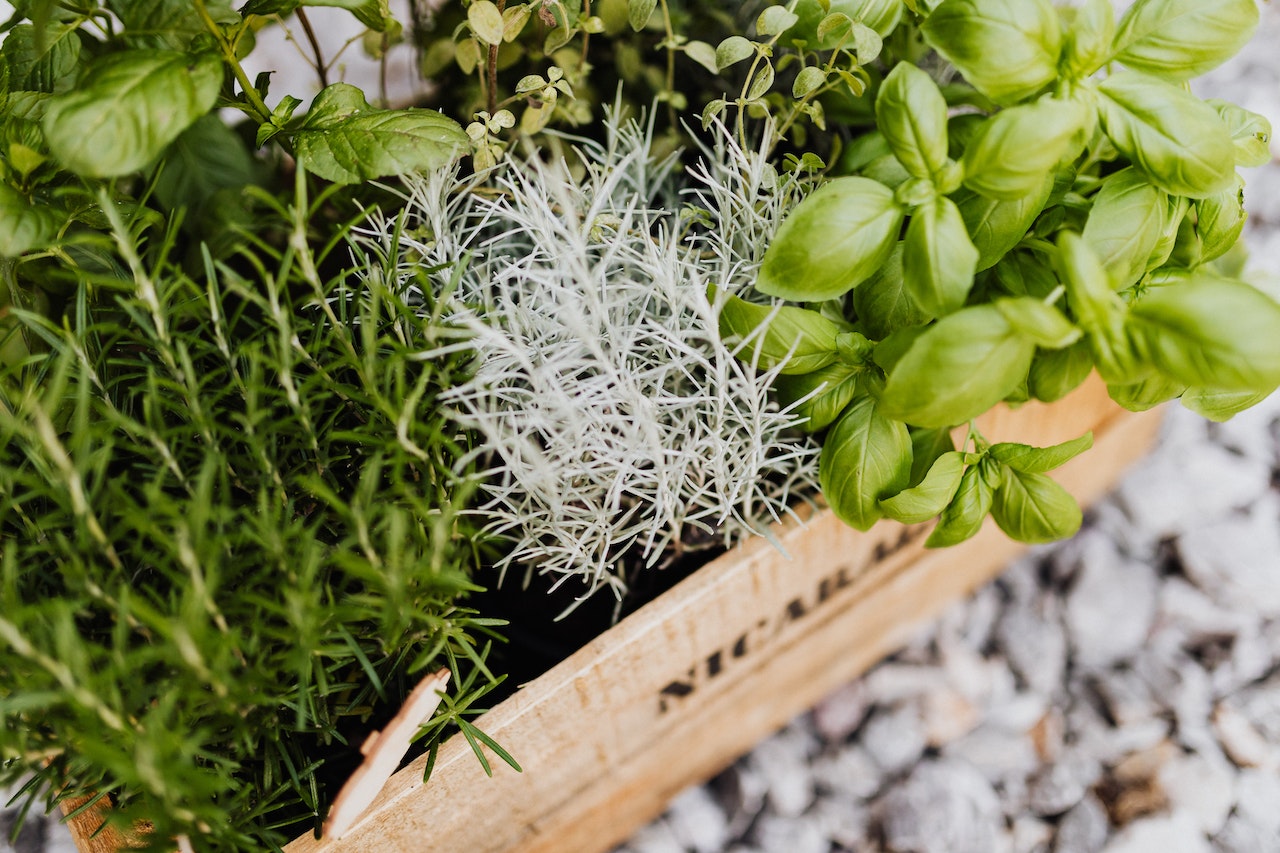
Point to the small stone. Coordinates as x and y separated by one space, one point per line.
1171 494
1132 789
843 824
778 834
969 623
997 755
1056 788
1235 561
743 791
1166 834
848 773
1111 607
1257 795
1083 829
947 715
1126 695
1034 640
1048 733
840 713
1240 740
895 738
892 683
1199 787
657 837
942 807
697 821
1029 835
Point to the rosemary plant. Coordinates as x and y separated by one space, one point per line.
229 531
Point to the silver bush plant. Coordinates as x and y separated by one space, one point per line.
618 429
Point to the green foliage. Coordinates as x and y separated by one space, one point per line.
230 531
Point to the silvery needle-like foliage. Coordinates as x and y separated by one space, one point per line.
617 428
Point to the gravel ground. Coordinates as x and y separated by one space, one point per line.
1116 693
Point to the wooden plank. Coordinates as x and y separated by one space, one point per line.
679 689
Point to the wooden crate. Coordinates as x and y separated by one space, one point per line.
676 691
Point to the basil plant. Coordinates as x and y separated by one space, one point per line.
1065 208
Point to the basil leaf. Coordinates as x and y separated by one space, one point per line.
1023 273
880 15
1033 508
130 106
866 457
1042 324
958 368
1175 211
1147 394
1125 224
798 340
938 260
1017 147
1220 221
1181 39
1098 310
639 12
829 390
882 304
1056 373
167 24
345 140
833 241
41 62
1250 132
963 517
912 115
927 445
891 350
1169 134
1088 41
1212 332
1218 405
1008 49
996 226
1038 460
24 226
922 502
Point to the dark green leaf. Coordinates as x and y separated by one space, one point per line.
996 226
1125 224
799 340
131 106
957 369
866 457
1008 49
1181 39
912 115
1170 135
207 158
882 304
24 226
167 24
1056 373
1210 332
1040 460
963 517
938 260
833 241
828 389
1016 148
927 445
922 502
1033 508
41 63
344 140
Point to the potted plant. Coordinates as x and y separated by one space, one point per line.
277 387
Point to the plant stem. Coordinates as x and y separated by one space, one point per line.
258 107
671 63
491 69
322 70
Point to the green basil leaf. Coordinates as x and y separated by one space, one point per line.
963 517
996 226
880 15
927 445
204 160
345 140
1175 212
1042 324
44 62
1056 373
1210 332
639 12
833 241
828 391
931 496
1218 405
24 226
866 457
882 304
795 339
1250 132
131 105
891 350
1088 41
1098 310
1220 221
938 261
1181 39
912 115
958 368
1033 508
1147 394
1024 273
1039 460
1014 149
167 24
1170 135
1125 224
1008 49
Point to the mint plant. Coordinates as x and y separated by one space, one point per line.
998 241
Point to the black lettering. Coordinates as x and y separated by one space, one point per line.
715 665
675 690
